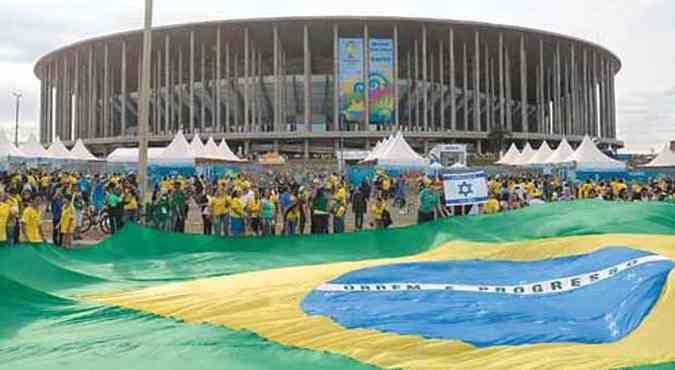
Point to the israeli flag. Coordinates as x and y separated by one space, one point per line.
465 188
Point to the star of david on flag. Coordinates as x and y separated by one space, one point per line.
465 188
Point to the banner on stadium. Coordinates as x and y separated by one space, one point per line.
381 81
350 79
465 188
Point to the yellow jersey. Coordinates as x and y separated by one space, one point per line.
31 225
219 205
67 225
4 217
236 208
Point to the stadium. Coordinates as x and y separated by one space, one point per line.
296 85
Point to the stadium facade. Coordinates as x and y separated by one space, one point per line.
296 85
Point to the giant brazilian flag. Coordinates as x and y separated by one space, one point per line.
579 285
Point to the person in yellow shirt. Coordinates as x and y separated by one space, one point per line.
378 212
237 214
338 209
130 204
67 224
31 220
341 195
253 209
5 211
492 206
292 219
219 212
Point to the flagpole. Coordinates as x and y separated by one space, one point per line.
143 114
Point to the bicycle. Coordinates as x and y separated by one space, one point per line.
100 218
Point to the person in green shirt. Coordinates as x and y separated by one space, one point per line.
178 208
267 214
428 203
160 212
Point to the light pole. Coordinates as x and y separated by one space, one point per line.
144 103
18 96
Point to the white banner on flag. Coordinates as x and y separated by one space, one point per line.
465 188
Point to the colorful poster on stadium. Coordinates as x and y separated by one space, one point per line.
350 78
381 82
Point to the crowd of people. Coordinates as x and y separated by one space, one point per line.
275 204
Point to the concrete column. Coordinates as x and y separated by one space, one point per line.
123 78
336 79
366 79
218 127
191 83
488 93
479 147
502 112
476 83
228 89
441 85
397 121
76 117
432 88
42 107
409 88
58 98
523 86
573 87
425 81
453 98
246 74
202 94
275 37
465 83
307 80
509 89
168 96
417 88
235 102
601 100
542 101
106 91
558 92
306 154
64 100
612 90
181 90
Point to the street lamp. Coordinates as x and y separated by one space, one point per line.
144 103
18 96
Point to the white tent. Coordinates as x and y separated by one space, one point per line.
198 147
398 152
81 152
561 154
7 149
666 158
33 149
226 153
511 155
589 157
178 150
211 150
542 154
59 151
379 148
524 158
130 155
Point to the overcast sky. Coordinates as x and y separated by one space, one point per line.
640 32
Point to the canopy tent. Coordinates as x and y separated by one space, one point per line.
58 150
379 148
524 158
589 157
561 154
33 149
178 150
511 155
198 147
211 149
225 151
666 158
397 152
7 149
81 152
542 154
130 155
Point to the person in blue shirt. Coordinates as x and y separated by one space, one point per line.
85 188
98 198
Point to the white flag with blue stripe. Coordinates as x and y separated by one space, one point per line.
465 188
